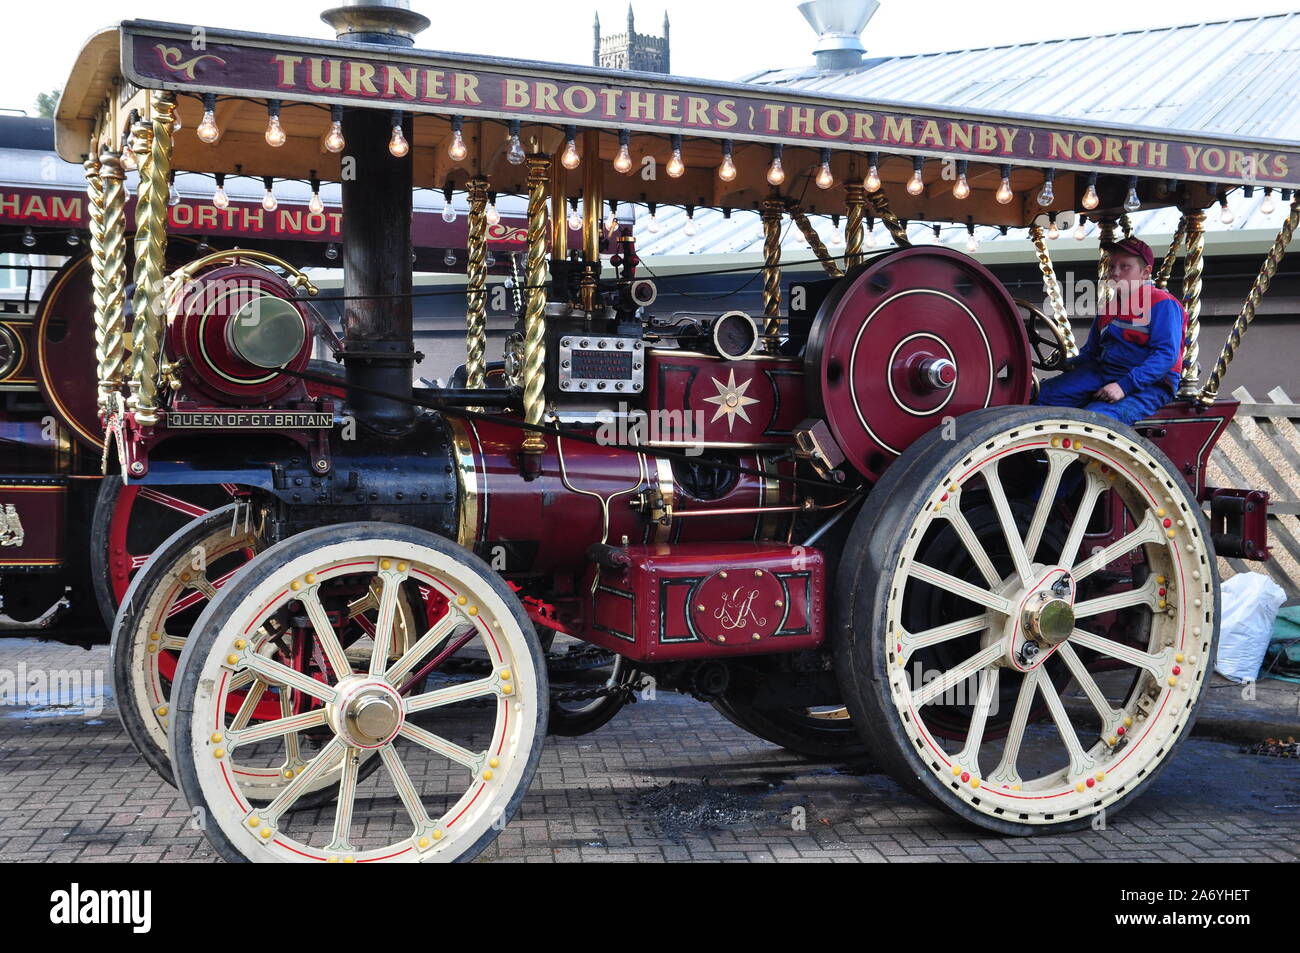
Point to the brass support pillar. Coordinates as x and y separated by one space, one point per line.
880 205
1167 266
1265 277
1105 235
559 216
773 209
815 242
476 286
155 160
95 218
539 167
110 323
593 198
1053 289
1193 266
856 204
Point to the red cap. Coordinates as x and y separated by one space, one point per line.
1135 247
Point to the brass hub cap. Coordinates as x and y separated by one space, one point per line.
368 712
1050 621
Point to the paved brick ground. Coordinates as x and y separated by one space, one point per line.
72 788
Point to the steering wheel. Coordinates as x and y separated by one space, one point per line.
1047 345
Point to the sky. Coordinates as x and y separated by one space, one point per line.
712 39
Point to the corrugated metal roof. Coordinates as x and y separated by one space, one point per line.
1236 77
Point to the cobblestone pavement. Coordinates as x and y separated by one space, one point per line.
669 779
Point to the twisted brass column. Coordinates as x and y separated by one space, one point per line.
854 233
773 208
476 286
110 324
880 205
1053 289
95 220
815 242
155 160
1167 266
1105 235
1262 281
1192 269
539 168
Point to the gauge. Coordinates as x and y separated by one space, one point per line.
10 351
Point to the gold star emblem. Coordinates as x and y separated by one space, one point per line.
731 400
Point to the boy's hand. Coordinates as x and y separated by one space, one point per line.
1110 393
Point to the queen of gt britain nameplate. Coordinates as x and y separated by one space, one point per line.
248 420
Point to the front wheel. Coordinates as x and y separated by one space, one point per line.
1043 547
457 755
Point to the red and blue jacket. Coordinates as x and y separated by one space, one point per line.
1137 342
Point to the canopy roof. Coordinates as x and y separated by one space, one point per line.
245 70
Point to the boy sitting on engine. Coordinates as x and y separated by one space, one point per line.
1132 361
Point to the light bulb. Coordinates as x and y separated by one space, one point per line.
837 236
331 252
569 158
1090 198
449 259
1053 233
334 141
575 220
872 181
457 149
1080 230
492 215
1225 214
1267 207
775 172
275 136
29 237
207 130
268 200
397 144
727 169
972 244
1047 196
515 154
1131 201
676 167
1004 194
962 189
653 226
825 178
314 204
448 210
219 198
915 185
173 197
623 160
691 228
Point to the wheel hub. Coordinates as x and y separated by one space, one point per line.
1050 621
1043 619
368 712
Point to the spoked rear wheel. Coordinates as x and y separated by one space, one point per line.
1101 575
456 759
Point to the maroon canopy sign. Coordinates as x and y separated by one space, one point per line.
160 57
67 208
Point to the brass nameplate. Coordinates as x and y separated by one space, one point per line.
248 420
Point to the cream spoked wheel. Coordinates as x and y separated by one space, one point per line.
153 623
1033 623
455 756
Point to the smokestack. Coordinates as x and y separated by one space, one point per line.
839 24
389 22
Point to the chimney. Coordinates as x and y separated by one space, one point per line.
839 24
388 22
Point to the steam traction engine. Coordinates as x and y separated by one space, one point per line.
844 525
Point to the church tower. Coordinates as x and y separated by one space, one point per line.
631 50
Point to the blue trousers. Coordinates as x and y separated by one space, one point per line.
1075 389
